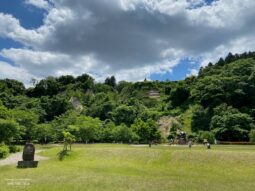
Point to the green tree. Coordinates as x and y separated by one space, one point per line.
124 114
4 112
63 122
89 128
68 140
200 119
111 81
45 133
140 127
27 121
179 95
147 131
9 130
12 87
87 133
54 106
66 80
123 134
229 124
106 133
153 132
84 82
46 87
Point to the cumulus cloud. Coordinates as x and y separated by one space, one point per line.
42 4
192 72
9 71
10 27
48 63
129 38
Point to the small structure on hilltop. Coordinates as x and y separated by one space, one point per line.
28 157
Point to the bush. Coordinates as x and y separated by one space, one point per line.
192 136
14 148
209 136
171 136
252 136
4 151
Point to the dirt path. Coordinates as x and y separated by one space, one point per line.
14 158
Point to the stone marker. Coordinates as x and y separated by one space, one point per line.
28 157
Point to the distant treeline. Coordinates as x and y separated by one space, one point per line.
220 102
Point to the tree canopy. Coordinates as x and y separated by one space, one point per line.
220 101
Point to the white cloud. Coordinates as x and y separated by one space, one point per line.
130 39
10 27
42 4
11 72
55 64
192 72
49 63
236 46
222 13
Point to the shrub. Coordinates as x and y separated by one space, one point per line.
192 136
171 136
209 136
252 136
4 151
14 148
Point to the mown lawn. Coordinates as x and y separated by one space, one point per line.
123 167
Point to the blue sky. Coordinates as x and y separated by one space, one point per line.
131 39
179 72
29 16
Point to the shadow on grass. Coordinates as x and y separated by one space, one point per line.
63 154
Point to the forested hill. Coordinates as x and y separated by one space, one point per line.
219 102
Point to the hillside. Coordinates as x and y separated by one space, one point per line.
219 102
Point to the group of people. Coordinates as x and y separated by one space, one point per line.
190 143
206 143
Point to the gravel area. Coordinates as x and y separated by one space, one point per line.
14 158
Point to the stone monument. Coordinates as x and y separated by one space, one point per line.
28 157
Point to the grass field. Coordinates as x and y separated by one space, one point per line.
123 167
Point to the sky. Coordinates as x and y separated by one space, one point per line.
130 39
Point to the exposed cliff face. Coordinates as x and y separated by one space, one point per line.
76 104
154 94
165 123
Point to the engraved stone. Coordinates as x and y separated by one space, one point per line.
28 157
